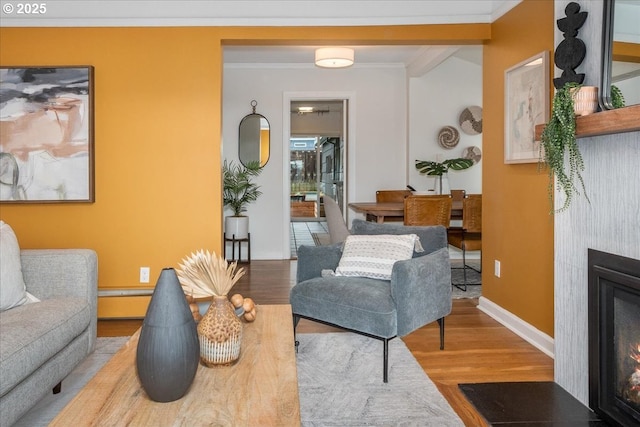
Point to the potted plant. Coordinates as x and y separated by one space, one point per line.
440 168
559 137
238 191
617 99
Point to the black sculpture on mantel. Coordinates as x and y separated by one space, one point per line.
571 51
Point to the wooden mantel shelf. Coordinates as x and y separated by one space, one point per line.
608 122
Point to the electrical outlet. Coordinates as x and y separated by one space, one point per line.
496 268
144 274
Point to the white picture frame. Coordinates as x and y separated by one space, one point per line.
526 104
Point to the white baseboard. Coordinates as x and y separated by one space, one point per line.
530 334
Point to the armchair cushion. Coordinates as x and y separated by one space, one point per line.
373 256
358 303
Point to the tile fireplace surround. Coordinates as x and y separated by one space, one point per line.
608 223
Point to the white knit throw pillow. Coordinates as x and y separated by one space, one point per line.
374 255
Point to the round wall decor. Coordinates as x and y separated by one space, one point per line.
472 153
448 137
471 120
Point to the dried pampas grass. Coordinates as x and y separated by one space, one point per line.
205 274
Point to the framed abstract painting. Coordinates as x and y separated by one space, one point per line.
526 105
46 134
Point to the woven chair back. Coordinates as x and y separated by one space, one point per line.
392 196
427 210
458 195
472 214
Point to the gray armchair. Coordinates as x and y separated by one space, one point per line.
418 293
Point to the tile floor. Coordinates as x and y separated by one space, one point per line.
301 233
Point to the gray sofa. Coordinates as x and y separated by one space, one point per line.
42 342
418 293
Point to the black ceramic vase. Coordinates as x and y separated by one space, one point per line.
168 348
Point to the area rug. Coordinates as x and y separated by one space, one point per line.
340 384
47 409
474 279
339 380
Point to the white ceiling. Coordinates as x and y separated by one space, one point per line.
119 13
89 13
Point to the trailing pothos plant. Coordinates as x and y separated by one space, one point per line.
559 138
430 168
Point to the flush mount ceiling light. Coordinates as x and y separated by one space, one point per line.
334 57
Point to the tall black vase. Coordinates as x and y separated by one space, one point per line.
168 348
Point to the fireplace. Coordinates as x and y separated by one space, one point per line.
614 337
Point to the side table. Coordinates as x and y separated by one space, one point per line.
235 241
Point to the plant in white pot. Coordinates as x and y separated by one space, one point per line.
238 191
439 169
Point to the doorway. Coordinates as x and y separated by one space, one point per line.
317 166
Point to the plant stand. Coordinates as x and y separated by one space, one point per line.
239 242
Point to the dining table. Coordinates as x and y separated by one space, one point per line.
381 210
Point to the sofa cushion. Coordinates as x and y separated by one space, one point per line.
357 303
33 333
13 292
373 256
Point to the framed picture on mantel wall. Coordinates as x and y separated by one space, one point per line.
526 105
46 134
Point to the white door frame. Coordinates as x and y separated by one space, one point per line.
287 98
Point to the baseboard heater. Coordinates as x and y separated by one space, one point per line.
128 292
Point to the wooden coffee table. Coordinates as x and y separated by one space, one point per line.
261 389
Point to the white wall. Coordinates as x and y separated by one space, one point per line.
377 154
436 100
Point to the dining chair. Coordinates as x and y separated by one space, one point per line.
391 196
427 210
338 230
469 236
458 195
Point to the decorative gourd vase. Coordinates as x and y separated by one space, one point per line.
585 100
220 334
168 348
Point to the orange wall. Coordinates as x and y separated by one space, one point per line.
517 227
158 138
157 147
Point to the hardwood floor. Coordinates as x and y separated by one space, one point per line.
477 348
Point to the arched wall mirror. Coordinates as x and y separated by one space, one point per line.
254 138
621 51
